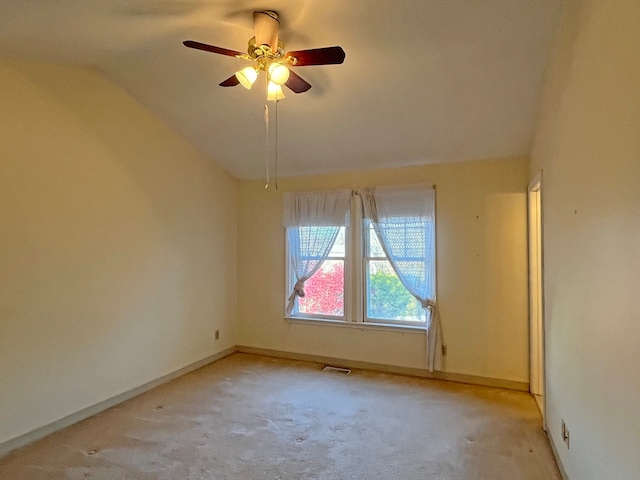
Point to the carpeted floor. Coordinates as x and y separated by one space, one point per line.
249 417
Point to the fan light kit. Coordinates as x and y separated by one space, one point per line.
267 51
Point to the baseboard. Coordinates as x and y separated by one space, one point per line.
554 449
41 432
416 372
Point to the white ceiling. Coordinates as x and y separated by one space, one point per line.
424 81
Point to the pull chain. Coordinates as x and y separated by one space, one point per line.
276 144
266 125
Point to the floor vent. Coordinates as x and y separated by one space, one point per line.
328 368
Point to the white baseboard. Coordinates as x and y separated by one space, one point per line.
41 432
416 372
554 449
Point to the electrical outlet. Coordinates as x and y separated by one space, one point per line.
444 350
564 432
217 334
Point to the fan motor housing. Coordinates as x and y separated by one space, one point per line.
256 51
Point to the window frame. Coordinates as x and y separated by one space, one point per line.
366 258
290 276
355 297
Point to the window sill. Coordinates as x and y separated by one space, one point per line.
361 325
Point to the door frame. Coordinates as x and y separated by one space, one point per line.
537 384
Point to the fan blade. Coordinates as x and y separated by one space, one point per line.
211 48
266 26
316 56
296 83
232 81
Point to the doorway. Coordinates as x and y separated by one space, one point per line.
536 305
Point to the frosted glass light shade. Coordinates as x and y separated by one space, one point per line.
274 92
247 76
278 73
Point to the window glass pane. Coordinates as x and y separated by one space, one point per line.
313 240
338 249
386 296
407 235
324 291
374 247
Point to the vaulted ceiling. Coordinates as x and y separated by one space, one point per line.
424 81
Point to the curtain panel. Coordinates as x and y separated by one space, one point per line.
312 221
316 208
403 219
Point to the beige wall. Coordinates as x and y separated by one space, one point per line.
588 146
482 271
118 246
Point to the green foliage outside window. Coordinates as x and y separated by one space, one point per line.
389 299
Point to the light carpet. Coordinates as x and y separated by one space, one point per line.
250 417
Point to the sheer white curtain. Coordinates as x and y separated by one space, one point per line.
404 221
312 221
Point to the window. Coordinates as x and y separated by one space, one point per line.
386 299
315 225
324 291
323 254
380 271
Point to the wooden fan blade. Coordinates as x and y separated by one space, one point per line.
211 48
266 26
232 81
316 56
296 83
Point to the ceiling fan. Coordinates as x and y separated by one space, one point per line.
267 50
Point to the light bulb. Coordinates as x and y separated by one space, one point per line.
247 76
278 73
274 92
